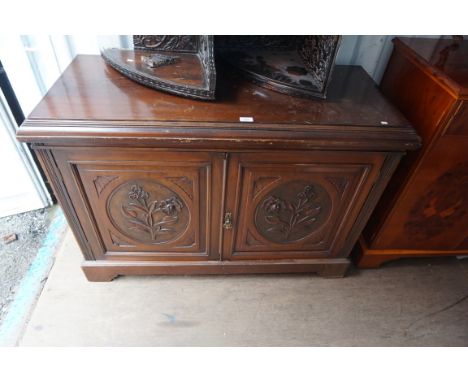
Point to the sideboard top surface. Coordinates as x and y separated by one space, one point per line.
91 90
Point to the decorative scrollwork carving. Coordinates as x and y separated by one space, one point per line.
178 43
292 211
318 53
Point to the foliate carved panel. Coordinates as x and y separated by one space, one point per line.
292 211
317 53
264 42
295 65
148 212
179 43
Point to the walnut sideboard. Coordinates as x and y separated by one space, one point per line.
152 183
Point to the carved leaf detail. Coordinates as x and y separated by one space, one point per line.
291 218
272 219
129 212
153 217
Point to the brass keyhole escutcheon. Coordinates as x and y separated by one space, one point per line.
227 220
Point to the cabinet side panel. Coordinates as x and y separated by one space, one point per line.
54 175
416 94
428 106
459 123
434 216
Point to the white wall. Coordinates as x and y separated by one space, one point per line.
19 192
370 52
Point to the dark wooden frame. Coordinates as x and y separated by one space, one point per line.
325 49
204 53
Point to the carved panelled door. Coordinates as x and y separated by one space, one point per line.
151 204
294 205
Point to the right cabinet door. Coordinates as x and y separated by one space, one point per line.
294 205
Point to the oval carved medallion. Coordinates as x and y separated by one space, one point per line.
147 212
292 211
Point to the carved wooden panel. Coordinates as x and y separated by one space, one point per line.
148 212
149 204
294 205
177 43
144 209
291 211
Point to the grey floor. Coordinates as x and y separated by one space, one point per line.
406 303
16 257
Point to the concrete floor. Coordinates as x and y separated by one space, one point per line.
405 303
16 257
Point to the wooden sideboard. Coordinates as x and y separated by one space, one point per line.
152 183
424 211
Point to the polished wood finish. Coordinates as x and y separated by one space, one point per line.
120 220
424 211
152 183
296 205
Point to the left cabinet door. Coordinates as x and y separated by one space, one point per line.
145 204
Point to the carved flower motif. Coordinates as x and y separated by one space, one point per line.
153 217
136 192
308 193
291 216
170 206
273 204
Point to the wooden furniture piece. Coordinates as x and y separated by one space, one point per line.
152 183
185 64
424 211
